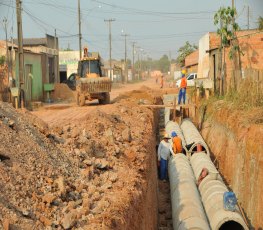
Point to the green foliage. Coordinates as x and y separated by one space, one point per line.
224 19
184 51
2 60
163 64
260 23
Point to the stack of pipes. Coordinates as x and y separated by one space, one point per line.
211 188
187 209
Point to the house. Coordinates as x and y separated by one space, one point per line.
210 59
48 48
191 62
68 64
40 65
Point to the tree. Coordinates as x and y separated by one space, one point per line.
164 64
224 18
184 51
260 23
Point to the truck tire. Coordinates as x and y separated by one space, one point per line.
81 100
106 99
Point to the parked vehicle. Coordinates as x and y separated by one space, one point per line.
190 80
71 81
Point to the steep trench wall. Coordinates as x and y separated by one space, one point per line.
236 141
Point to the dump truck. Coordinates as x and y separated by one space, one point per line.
91 83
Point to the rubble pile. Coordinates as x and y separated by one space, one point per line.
85 174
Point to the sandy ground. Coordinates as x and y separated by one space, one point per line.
60 113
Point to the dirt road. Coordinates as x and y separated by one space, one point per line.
59 114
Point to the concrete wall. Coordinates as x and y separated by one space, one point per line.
37 83
203 60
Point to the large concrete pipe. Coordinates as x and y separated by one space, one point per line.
192 135
187 209
212 192
201 160
173 126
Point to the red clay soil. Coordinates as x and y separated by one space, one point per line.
235 138
95 172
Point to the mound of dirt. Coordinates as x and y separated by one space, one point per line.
89 174
63 92
34 173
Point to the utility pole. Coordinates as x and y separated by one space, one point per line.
109 21
170 58
56 57
20 44
133 52
80 36
125 59
248 17
5 27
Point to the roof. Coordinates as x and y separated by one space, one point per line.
33 41
192 59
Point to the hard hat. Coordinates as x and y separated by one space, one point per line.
166 136
173 134
183 71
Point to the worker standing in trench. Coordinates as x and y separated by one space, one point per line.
163 156
183 85
176 143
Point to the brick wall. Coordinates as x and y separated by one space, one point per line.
192 59
251 44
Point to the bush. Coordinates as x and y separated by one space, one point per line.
2 60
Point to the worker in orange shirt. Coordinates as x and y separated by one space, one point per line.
176 143
183 86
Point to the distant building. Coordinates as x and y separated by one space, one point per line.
48 48
209 66
191 62
68 64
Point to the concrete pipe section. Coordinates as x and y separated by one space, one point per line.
187 209
173 126
201 160
192 135
212 192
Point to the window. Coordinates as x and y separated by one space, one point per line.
190 77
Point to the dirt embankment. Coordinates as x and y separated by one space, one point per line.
98 173
235 138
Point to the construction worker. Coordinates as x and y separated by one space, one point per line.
183 86
176 143
163 156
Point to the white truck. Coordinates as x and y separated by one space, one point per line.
190 80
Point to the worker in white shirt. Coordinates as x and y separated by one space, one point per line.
163 156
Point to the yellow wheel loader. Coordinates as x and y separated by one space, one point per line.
90 82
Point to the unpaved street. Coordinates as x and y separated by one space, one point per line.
59 114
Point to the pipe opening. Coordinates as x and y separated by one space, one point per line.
196 148
233 225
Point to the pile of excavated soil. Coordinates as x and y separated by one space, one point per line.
97 173
115 148
63 92
36 177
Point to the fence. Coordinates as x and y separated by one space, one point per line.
248 85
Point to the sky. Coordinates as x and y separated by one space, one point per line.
156 27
